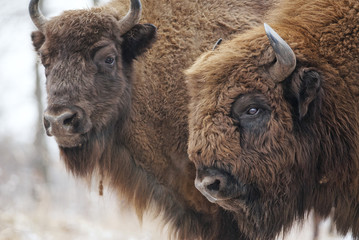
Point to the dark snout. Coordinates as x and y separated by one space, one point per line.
65 123
215 184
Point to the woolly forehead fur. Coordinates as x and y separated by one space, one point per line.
237 62
236 67
77 29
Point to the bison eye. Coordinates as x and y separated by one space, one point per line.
252 111
110 60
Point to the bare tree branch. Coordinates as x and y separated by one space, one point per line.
96 2
40 163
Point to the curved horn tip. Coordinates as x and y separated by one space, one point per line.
36 16
267 28
286 60
132 17
273 36
136 4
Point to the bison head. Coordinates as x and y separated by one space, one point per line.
88 56
252 110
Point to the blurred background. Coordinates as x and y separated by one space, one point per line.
39 200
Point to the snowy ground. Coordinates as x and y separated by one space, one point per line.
103 221
68 209
65 208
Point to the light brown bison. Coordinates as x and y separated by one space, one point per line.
120 112
274 124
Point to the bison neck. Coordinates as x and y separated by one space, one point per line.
156 142
150 178
330 34
159 178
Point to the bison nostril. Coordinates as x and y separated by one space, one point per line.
70 120
215 186
64 121
46 123
211 187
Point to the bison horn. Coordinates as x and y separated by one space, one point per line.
132 17
37 17
286 60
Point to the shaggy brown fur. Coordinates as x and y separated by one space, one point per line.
134 113
285 146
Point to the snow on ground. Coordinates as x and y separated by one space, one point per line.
67 208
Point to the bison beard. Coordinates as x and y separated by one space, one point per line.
83 160
136 185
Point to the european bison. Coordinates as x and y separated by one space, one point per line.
274 124
119 113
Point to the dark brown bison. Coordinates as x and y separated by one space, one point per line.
120 113
274 124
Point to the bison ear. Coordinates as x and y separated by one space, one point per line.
137 40
306 87
38 38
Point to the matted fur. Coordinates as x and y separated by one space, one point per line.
138 142
306 156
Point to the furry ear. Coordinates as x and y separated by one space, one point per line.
38 38
137 41
306 87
